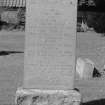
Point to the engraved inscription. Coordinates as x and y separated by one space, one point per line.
50 44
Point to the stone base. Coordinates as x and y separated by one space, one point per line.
47 97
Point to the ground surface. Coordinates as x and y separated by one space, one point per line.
90 45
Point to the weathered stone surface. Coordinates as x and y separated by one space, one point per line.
47 97
50 44
49 61
85 68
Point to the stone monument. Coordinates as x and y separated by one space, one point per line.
49 61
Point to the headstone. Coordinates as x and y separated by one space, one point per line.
80 65
50 44
49 63
85 68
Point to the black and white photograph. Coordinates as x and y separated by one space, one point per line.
52 52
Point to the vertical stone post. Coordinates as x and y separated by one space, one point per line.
49 61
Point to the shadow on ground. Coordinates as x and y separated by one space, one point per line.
4 53
95 102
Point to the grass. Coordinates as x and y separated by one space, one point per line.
89 45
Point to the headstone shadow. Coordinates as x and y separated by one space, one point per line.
95 102
4 53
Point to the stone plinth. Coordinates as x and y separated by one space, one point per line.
47 97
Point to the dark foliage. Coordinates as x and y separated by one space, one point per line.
99 23
9 23
96 73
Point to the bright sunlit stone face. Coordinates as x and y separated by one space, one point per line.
50 44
